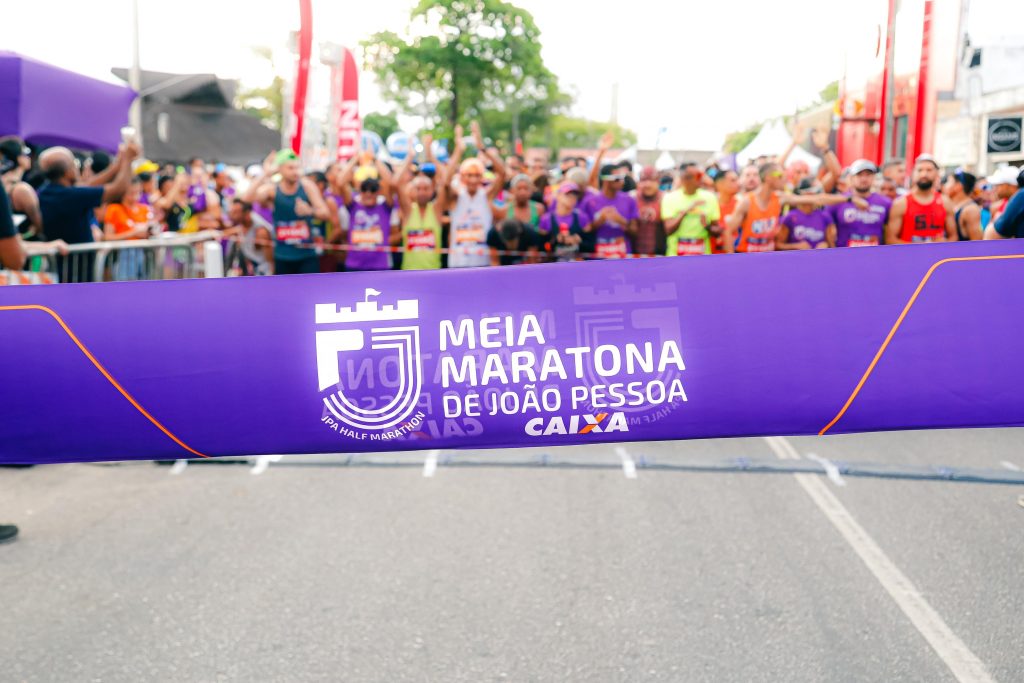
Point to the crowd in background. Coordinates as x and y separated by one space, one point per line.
481 209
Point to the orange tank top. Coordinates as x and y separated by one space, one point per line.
757 233
923 222
726 208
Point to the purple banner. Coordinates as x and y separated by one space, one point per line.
843 340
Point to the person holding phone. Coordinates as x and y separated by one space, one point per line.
67 208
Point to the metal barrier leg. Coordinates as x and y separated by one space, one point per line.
213 257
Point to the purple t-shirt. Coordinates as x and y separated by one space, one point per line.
611 240
861 228
369 226
807 227
197 198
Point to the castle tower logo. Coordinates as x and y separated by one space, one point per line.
331 343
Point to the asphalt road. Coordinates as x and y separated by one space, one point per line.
533 565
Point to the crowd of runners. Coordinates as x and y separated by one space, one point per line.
478 208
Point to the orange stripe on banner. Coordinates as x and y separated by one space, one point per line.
600 416
899 321
103 371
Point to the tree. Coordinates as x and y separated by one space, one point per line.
267 102
830 93
381 124
465 59
571 132
738 140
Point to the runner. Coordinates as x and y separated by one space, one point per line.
512 243
887 188
520 206
895 170
295 201
613 214
750 179
650 229
1004 185
691 215
966 213
861 226
1011 221
565 229
923 215
369 229
603 145
324 230
727 186
470 205
807 226
757 214
421 216
333 195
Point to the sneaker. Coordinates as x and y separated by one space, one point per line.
8 532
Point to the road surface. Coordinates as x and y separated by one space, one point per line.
674 561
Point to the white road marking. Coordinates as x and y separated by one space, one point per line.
831 471
430 463
962 663
262 463
179 466
783 448
628 466
1009 465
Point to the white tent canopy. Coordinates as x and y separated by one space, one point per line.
772 140
665 162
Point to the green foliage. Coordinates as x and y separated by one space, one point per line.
467 59
571 132
830 93
381 124
267 102
738 140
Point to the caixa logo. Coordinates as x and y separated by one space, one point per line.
577 424
404 340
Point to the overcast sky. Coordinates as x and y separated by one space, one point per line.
700 69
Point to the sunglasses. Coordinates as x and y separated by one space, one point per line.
614 178
776 174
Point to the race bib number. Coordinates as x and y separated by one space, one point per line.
24 277
421 240
611 249
292 233
762 235
863 241
760 244
690 246
469 234
370 237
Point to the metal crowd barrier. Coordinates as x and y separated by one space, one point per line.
170 256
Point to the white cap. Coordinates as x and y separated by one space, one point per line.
862 165
1004 175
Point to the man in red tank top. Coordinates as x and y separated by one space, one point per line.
923 215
